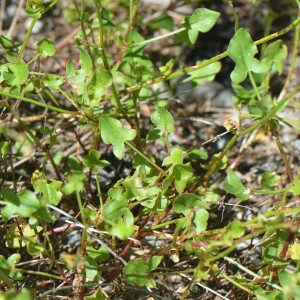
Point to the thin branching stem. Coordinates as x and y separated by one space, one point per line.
207 62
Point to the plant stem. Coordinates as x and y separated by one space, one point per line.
50 5
105 63
6 280
153 164
158 38
293 61
26 39
236 283
265 118
214 167
256 276
236 19
283 156
99 190
254 85
39 273
205 63
50 107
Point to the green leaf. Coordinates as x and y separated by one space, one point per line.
198 154
163 121
100 82
112 132
184 202
296 188
114 209
205 74
74 163
202 19
116 206
75 183
33 248
234 230
122 230
16 74
294 251
267 295
260 107
3 70
234 186
175 158
7 266
137 271
46 48
8 44
24 204
243 95
191 206
91 269
268 180
34 8
106 20
275 54
211 195
99 255
182 174
134 38
53 81
70 68
50 192
285 278
13 237
4 148
200 219
221 166
242 51
273 248
188 201
23 294
192 36
92 160
85 63
162 21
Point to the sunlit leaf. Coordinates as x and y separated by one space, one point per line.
46 48
92 160
24 204
50 192
242 51
112 132
16 74
163 121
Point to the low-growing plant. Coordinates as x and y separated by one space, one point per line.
168 191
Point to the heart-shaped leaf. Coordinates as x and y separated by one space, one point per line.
242 51
112 132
